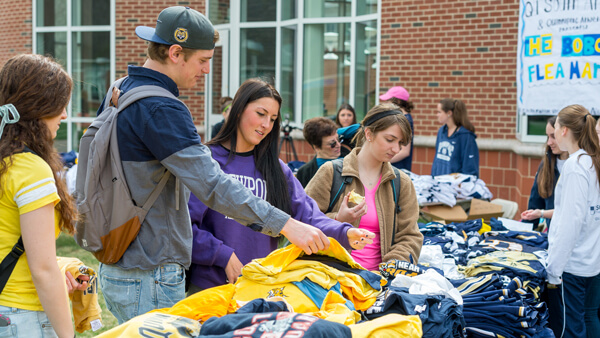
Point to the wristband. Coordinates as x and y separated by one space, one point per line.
542 213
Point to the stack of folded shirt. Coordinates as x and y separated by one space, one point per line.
496 306
446 189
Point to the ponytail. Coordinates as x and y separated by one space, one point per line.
459 113
583 127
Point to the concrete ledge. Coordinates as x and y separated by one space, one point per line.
516 146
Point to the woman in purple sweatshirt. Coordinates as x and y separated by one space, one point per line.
247 149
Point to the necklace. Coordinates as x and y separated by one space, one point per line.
370 179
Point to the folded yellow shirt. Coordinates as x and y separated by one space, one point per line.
274 276
213 302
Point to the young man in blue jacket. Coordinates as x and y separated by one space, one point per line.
158 133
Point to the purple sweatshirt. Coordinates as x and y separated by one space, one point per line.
216 237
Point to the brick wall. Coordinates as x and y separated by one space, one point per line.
15 21
462 49
131 50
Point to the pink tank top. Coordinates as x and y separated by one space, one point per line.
370 256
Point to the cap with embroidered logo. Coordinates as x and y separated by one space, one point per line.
182 26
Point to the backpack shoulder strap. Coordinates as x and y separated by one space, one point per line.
10 261
107 99
142 92
338 182
396 187
397 209
130 97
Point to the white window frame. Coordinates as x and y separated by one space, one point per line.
522 134
235 26
69 29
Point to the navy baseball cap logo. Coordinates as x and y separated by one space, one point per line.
181 34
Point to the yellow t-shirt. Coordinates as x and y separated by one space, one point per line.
26 186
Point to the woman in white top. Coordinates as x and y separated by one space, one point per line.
574 237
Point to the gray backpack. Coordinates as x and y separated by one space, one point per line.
109 218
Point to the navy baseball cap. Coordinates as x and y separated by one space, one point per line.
182 26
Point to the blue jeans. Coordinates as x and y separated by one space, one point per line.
130 293
26 323
581 297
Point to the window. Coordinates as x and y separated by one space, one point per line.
366 67
327 8
318 54
326 76
257 54
286 85
79 35
532 128
219 11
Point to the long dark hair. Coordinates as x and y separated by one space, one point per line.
39 88
545 178
347 107
266 153
583 126
459 113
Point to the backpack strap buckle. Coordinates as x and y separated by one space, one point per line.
17 249
114 99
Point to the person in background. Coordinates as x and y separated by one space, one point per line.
383 133
541 199
573 251
346 121
321 134
345 116
34 202
225 103
247 148
400 97
455 147
598 127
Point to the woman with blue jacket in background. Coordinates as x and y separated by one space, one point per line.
455 147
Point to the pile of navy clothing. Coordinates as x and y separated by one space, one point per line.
500 275
495 305
259 317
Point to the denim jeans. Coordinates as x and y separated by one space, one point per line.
581 299
130 293
26 323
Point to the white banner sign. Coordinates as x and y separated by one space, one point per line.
559 56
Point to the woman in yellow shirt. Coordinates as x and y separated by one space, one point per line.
34 201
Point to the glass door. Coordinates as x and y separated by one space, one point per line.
218 84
